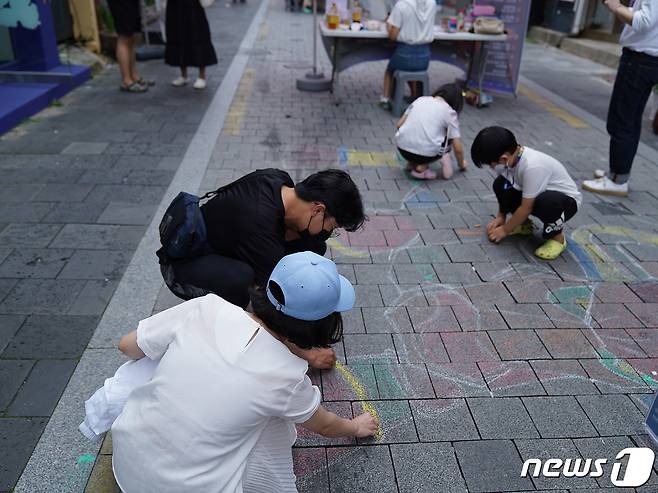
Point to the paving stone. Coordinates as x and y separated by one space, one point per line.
612 415
441 237
444 294
502 418
420 348
338 384
491 465
614 376
613 316
433 319
469 347
447 221
122 213
310 467
456 273
368 296
12 375
457 380
544 449
403 295
9 325
525 316
443 420
18 436
93 298
367 238
568 316
644 253
489 293
646 312
404 381
609 292
386 255
415 273
558 417
603 448
386 320
613 343
75 212
96 264
40 263
36 236
647 339
503 252
55 296
395 422
27 212
361 469
495 271
647 291
563 377
427 467
647 368
85 148
41 391
102 477
353 322
471 252
51 336
369 348
518 344
67 193
433 254
510 378
374 274
566 343
98 237
483 317
569 292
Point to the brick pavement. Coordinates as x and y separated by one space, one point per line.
78 185
475 356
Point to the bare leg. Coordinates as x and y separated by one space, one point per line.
124 58
446 166
388 84
202 73
183 72
559 238
134 74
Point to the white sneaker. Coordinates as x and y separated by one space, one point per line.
606 186
200 84
180 81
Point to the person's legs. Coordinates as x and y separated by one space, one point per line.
124 55
508 197
553 209
134 73
631 91
388 84
202 73
226 277
446 166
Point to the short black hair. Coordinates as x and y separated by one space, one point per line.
453 95
340 195
302 333
491 143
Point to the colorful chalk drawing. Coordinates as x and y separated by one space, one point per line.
19 12
361 394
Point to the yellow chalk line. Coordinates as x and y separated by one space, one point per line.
552 108
345 250
365 158
238 109
361 394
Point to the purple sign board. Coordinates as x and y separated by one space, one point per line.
501 72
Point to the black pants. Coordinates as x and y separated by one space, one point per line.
551 208
227 277
637 75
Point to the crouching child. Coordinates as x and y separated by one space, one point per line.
529 182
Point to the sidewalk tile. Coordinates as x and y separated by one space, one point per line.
559 417
349 384
612 415
614 316
614 376
476 318
647 339
42 389
457 380
403 295
613 343
427 467
563 377
369 348
19 435
510 378
405 381
310 468
518 345
395 422
502 418
443 420
420 348
433 319
361 468
563 343
469 347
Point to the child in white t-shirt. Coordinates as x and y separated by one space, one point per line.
529 182
428 130
218 414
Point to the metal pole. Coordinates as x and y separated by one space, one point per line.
315 36
314 81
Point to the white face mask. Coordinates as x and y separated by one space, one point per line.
501 169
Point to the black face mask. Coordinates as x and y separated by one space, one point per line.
323 235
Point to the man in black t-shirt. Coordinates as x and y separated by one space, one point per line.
258 220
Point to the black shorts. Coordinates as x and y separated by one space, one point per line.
417 158
126 15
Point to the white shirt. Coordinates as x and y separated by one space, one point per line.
222 380
429 121
415 19
642 34
537 172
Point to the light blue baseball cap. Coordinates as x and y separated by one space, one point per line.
311 286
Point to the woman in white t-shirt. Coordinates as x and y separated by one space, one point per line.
411 25
219 413
529 182
428 130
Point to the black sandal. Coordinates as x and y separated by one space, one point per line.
135 87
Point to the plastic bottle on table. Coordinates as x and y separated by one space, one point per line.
460 20
356 12
333 19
